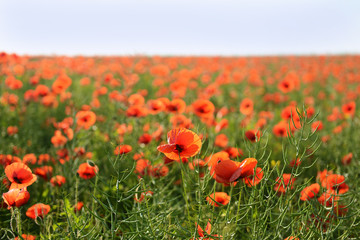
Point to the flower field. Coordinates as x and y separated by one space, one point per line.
179 147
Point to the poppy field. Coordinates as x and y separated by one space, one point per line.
179 147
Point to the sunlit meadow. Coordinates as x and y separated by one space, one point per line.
179 147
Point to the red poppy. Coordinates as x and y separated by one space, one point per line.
203 108
310 192
29 158
58 180
219 197
145 138
85 119
349 109
38 210
252 135
247 106
176 106
78 206
143 195
229 171
221 140
254 180
201 231
58 140
335 182
16 197
346 160
181 143
122 149
86 171
26 237
19 175
284 183
45 172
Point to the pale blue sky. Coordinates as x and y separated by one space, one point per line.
172 27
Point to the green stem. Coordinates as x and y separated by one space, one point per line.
18 220
184 188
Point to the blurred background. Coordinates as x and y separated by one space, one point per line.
164 27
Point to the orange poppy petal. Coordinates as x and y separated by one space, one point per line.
166 148
248 166
185 138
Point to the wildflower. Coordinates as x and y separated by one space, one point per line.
310 192
284 183
254 180
229 171
58 180
38 210
26 237
181 143
19 175
203 108
85 119
16 197
346 160
122 149
45 172
86 171
219 197
247 106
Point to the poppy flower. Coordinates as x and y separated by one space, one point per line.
58 140
252 135
156 106
181 143
221 140
159 170
336 183
136 111
16 197
29 158
284 183
19 175
207 229
219 197
12 130
26 237
247 106
38 210
78 206
85 119
281 129
346 160
229 171
45 172
254 180
286 86
122 149
176 106
86 171
145 138
203 108
142 196
58 180
291 238
142 166
349 109
310 192
328 198
317 126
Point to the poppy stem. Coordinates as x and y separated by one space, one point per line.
18 220
184 187
228 207
238 208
